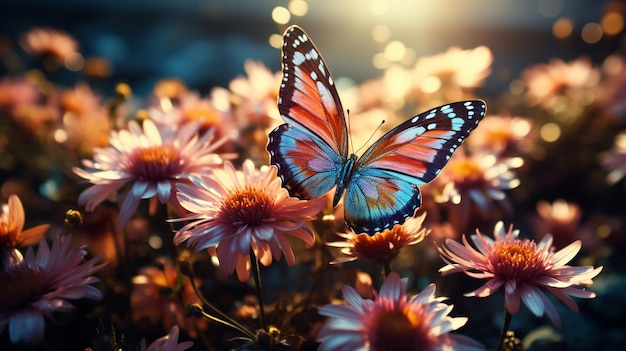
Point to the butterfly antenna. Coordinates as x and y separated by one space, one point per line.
349 129
371 136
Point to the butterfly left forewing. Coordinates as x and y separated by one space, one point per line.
383 190
308 98
311 149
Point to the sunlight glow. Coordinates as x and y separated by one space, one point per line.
395 50
381 33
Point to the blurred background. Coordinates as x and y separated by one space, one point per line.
205 43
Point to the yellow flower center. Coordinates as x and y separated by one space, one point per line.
249 206
519 260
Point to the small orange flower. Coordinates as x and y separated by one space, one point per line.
160 297
384 246
11 234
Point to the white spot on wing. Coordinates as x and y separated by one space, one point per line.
298 58
457 123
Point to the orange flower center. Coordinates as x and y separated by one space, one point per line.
465 169
395 330
499 136
8 236
380 246
248 207
71 102
170 89
519 260
157 156
157 162
204 114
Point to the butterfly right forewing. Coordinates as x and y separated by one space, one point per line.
384 189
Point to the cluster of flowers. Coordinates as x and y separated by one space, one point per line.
213 198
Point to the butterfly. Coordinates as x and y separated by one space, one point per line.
311 149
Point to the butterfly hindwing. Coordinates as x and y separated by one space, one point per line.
383 190
307 165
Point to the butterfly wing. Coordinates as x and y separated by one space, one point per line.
311 148
384 190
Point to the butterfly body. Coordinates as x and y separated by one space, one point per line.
344 178
311 149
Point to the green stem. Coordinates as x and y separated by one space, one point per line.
165 232
227 323
505 328
223 317
259 289
387 268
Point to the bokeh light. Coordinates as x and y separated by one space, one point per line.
562 28
381 33
298 7
281 15
591 33
612 23
550 132
276 40
395 50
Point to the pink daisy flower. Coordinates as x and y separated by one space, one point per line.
47 41
242 210
11 234
392 321
151 160
41 284
476 181
521 267
168 342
